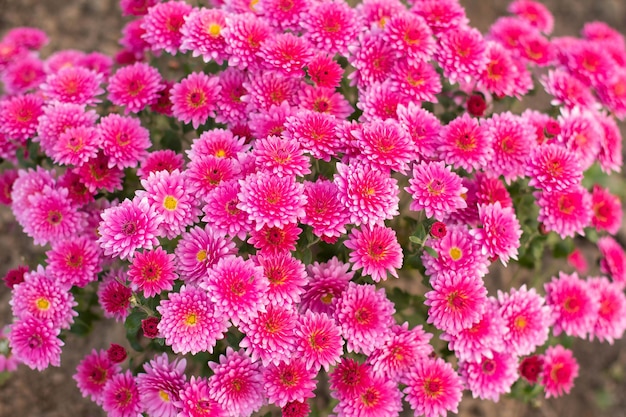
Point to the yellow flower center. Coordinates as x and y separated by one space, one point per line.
170 203
214 30
201 255
42 304
191 320
164 396
455 253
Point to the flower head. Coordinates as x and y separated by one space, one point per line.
195 400
318 340
194 98
163 24
574 306
500 233
565 212
433 388
135 87
376 250
152 272
74 262
465 144
159 385
289 381
93 372
35 343
202 34
559 371
120 396
490 377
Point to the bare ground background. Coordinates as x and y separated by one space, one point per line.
91 25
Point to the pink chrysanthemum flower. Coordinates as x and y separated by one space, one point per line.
492 190
500 232
457 251
18 116
27 184
559 371
612 94
93 372
373 60
371 195
202 34
331 26
552 166
349 378
296 409
401 353
461 54
385 145
270 122
270 200
281 156
424 128
217 142
76 146
610 156
129 226
318 340
190 322
123 140
574 306
136 7
96 174
490 377
324 211
578 261
152 272
365 316
611 321
7 179
418 80
114 296
457 301
160 160
483 338
265 89
230 107
167 194
194 98
237 288
376 13
380 398
534 12
527 318
162 24
315 132
589 61
324 71
500 74
286 53
270 335
135 87
57 118
35 343
607 210
29 38
613 261
22 75
408 33
436 189
52 216
41 297
160 384
75 261
274 240
433 388
286 275
324 100
222 213
581 134
284 15
565 212
289 381
163 104
381 101
120 396
376 250
465 144
205 173
195 400
77 85
237 383
441 15
568 90
512 139
198 250
244 34
327 281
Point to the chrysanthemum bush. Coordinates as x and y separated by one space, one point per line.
298 205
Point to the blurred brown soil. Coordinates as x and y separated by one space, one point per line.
90 25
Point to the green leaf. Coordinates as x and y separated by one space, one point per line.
171 140
132 326
563 248
431 251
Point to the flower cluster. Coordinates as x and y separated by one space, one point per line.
261 203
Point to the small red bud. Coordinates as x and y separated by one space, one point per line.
116 353
476 105
149 327
438 230
530 368
15 276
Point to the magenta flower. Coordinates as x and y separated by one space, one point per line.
194 98
244 34
365 316
237 383
424 128
217 142
611 321
441 15
324 71
376 250
408 33
120 396
160 384
500 233
318 341
270 334
327 281
195 400
286 275
465 144
162 24
18 116
613 261
152 272
380 398
607 210
270 200
237 287
534 13
559 371
490 377
286 53
190 322
35 343
222 213
415 80
573 304
74 262
316 132
74 84
205 173
93 372
565 212
76 146
610 156
281 156
160 160
330 27
324 212
462 54
553 167
135 87
231 108
373 60
123 140
349 378
129 226
114 296
275 240
433 388
436 189
385 145
202 34
289 381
